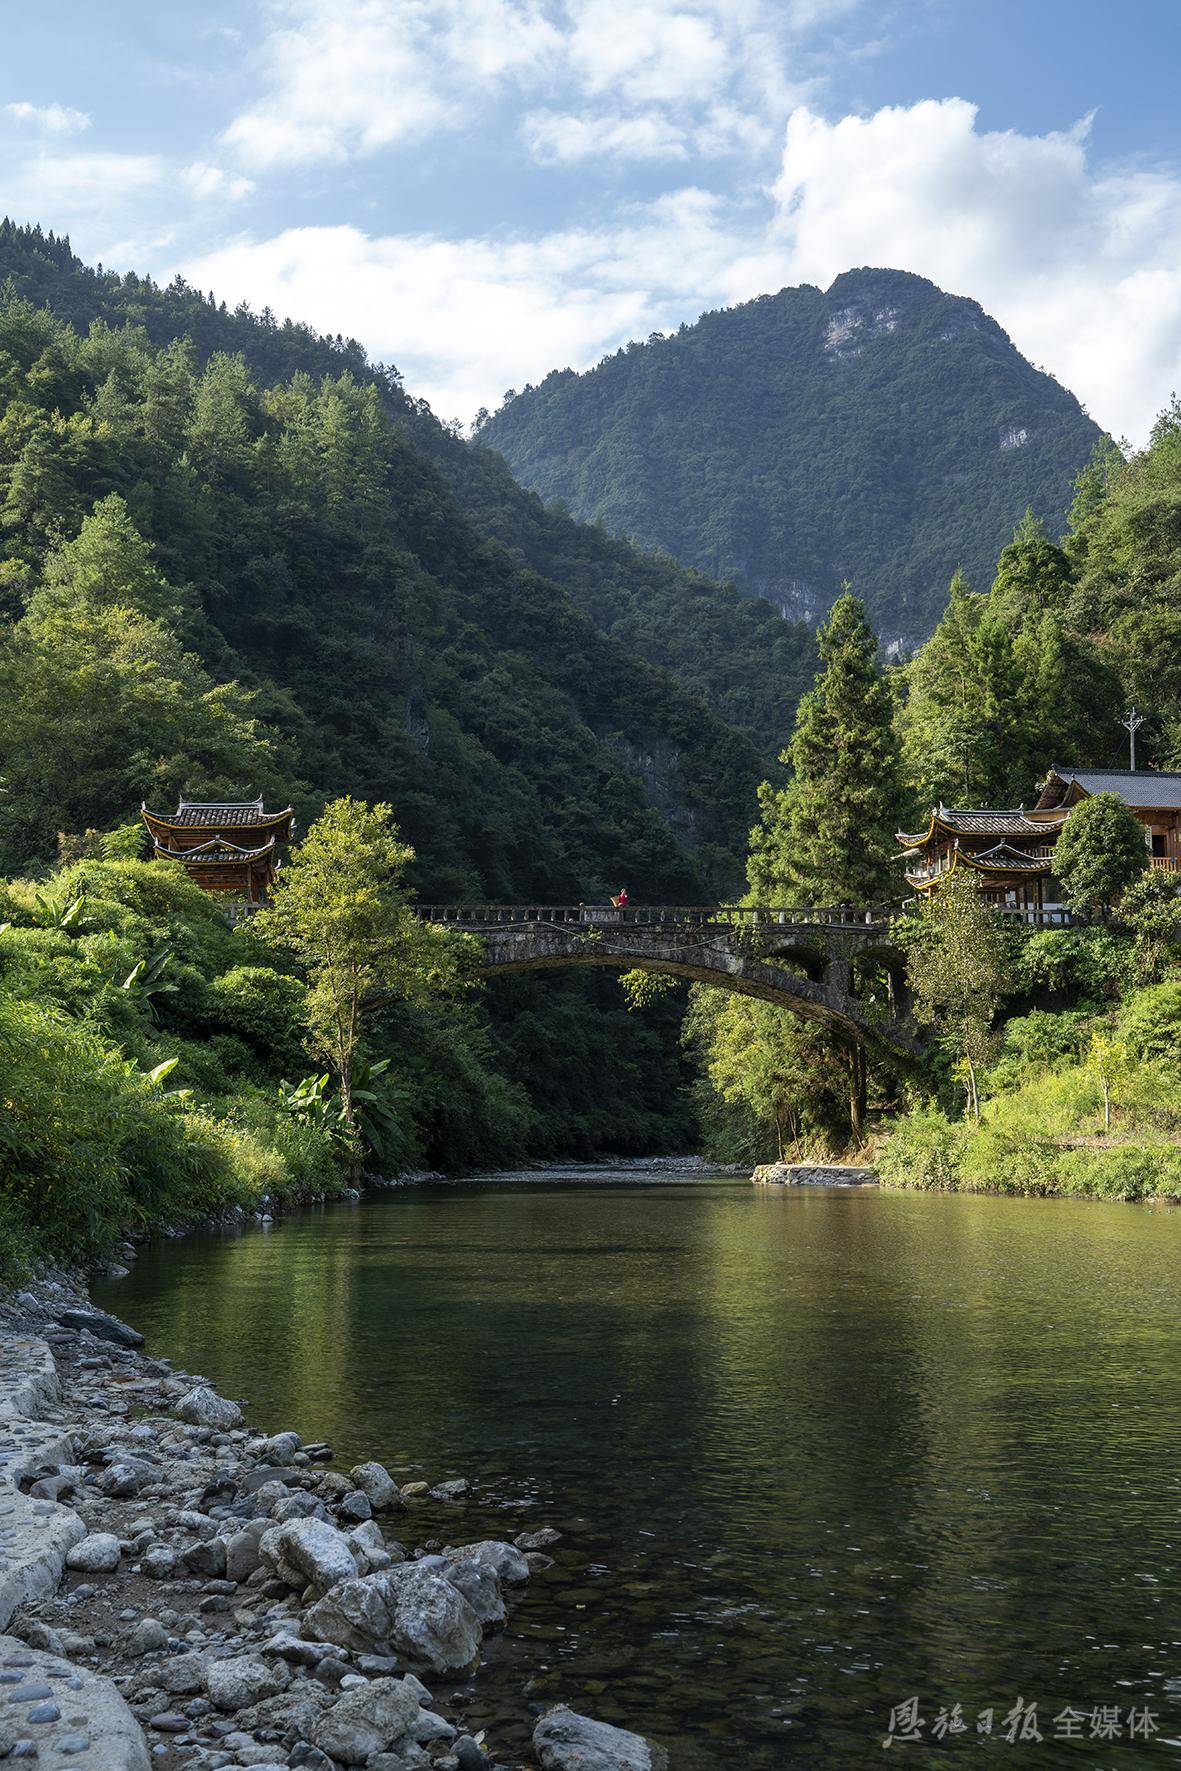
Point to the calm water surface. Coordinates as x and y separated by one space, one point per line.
814 1451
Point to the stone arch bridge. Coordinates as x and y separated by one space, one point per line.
800 958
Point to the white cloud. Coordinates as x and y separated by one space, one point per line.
58 187
561 139
618 79
1081 265
51 119
209 182
351 76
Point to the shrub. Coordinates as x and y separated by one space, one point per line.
1088 966
925 1151
1150 1022
265 1008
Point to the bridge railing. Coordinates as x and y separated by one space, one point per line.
660 915
480 916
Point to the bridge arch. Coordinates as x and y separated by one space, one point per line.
730 950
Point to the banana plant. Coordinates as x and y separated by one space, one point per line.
379 1111
146 980
56 913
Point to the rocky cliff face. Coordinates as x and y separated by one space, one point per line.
881 431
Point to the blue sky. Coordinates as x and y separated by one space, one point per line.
482 190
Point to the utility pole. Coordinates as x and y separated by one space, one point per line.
1132 725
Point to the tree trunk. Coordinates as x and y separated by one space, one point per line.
857 1095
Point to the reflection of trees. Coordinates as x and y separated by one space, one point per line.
929 1434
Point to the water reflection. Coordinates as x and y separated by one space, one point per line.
815 1451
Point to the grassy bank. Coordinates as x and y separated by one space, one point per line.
143 1045
1078 1103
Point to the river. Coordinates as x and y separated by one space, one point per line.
814 1451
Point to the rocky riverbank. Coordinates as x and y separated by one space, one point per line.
180 1592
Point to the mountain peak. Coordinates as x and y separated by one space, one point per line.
881 431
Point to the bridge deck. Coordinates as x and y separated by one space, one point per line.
838 916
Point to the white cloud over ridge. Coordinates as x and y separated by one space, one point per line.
1081 265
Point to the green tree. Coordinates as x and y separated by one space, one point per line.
1107 1060
108 564
1151 908
828 836
959 969
785 1078
340 907
1100 851
101 707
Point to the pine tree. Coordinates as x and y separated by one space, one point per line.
828 837
108 564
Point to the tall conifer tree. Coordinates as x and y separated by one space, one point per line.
828 836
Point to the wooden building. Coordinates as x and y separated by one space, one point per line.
1152 795
1012 852
224 845
1009 851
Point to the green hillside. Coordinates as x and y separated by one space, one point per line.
880 432
288 520
739 656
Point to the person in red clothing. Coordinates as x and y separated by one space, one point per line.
620 902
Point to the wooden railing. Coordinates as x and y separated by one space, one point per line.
1166 863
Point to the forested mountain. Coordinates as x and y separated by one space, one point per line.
880 432
192 499
739 656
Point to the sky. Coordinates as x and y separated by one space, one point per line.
484 190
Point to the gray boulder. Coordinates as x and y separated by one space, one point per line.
376 1483
242 1556
308 1552
122 1481
96 1554
279 1450
145 1637
565 1741
203 1407
236 1684
104 1327
503 1560
159 1562
477 1583
412 1610
366 1720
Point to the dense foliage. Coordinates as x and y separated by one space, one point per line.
734 653
881 432
1100 853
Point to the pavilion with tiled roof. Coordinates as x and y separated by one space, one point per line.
1008 849
223 845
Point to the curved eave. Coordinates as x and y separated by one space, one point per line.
941 826
205 854
279 822
1039 869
